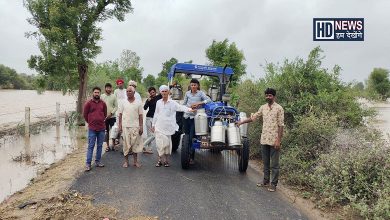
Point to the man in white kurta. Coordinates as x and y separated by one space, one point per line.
164 124
131 123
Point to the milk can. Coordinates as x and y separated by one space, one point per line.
233 132
213 92
201 122
243 127
176 94
218 133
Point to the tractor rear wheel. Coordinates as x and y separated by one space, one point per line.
243 156
185 152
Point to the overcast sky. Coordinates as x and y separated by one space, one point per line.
266 31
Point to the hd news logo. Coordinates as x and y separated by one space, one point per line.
338 29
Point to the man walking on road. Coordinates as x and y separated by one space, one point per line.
95 112
131 123
151 105
164 124
272 115
136 94
112 106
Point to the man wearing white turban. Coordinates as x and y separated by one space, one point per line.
164 124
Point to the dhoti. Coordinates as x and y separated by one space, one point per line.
132 141
163 143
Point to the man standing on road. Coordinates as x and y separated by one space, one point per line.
120 92
112 106
136 95
151 104
193 98
273 122
131 123
164 124
95 112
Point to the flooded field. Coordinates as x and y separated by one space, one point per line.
383 118
22 159
13 103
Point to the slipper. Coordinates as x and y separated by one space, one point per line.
158 164
166 164
107 149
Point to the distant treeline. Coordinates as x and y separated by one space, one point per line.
10 79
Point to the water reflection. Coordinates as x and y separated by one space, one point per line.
22 158
382 120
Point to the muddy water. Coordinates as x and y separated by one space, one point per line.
13 103
22 159
383 118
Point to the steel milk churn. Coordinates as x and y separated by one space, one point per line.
201 122
218 133
234 137
213 92
243 127
175 93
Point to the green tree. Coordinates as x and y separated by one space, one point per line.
129 64
134 73
10 79
166 67
129 59
149 81
359 86
5 76
68 34
222 53
379 83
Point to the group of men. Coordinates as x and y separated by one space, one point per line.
126 106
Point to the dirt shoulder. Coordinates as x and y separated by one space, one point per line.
295 197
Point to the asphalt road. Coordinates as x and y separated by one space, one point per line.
212 189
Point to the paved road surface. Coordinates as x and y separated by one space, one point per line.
212 189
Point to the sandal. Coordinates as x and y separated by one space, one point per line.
158 164
166 164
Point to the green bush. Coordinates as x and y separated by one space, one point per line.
317 155
303 144
356 172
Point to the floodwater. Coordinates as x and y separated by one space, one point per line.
383 118
22 159
13 103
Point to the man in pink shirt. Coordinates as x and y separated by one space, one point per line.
95 112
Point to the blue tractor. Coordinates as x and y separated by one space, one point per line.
214 122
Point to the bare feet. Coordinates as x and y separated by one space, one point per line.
138 165
125 164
